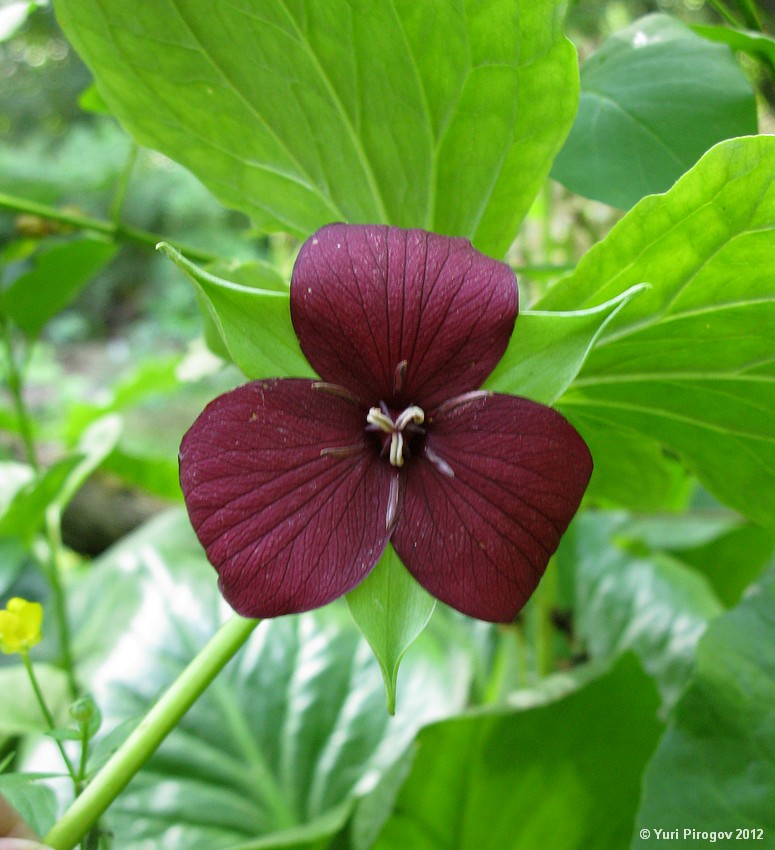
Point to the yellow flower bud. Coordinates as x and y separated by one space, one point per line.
20 625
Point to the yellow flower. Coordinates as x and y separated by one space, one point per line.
20 625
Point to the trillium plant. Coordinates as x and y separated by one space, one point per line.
493 561
296 486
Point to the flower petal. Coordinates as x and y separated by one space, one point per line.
401 316
288 525
485 503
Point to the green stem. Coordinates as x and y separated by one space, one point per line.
52 526
153 729
726 14
752 14
115 230
48 717
117 204
53 574
15 384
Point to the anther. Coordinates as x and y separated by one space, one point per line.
443 467
399 376
335 389
341 451
460 401
392 508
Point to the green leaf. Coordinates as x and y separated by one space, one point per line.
287 736
654 98
756 44
25 514
690 362
547 350
652 604
519 780
631 470
96 443
734 560
35 802
415 114
59 271
253 321
391 609
715 767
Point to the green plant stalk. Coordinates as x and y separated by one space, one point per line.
725 13
152 730
115 230
117 202
752 14
53 518
53 575
15 383
48 717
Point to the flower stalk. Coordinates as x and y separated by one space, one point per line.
148 735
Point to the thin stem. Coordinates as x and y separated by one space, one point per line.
15 385
53 574
725 13
117 204
117 231
153 729
48 717
751 13
53 517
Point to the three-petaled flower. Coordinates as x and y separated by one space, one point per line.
296 486
20 624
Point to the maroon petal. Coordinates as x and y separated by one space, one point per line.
401 316
288 525
485 503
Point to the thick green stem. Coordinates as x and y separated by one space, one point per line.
116 230
153 729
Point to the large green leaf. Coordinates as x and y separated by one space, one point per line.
547 350
654 98
690 362
714 770
564 775
58 272
649 603
253 321
280 745
413 113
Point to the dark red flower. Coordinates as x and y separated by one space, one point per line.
295 487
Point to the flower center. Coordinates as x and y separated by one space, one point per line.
396 430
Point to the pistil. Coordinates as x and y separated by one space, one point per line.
380 419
